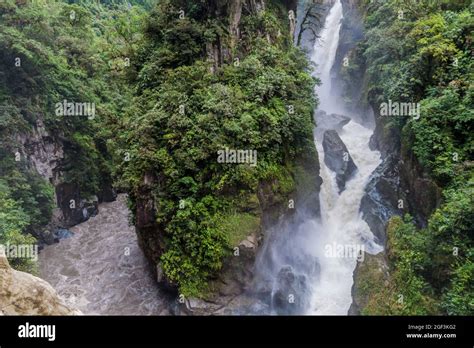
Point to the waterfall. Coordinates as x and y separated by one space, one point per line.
311 260
342 225
324 54
342 228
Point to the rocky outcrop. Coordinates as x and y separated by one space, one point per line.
385 139
227 289
351 32
221 50
310 21
308 183
150 235
233 289
337 158
398 186
330 121
422 193
74 208
382 197
351 87
288 298
44 153
24 294
372 270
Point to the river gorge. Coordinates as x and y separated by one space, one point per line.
100 269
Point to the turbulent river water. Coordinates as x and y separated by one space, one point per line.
101 270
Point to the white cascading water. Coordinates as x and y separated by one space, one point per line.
341 222
324 54
294 264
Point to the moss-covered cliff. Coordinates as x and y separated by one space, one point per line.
418 53
213 76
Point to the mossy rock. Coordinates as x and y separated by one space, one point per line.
237 227
369 292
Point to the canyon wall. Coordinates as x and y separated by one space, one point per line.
43 152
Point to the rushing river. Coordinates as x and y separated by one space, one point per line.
101 269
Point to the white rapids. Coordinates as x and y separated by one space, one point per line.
341 222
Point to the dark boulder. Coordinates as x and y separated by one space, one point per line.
337 158
107 194
382 193
290 296
74 208
326 121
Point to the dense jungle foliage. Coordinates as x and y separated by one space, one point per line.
421 52
172 87
185 110
52 51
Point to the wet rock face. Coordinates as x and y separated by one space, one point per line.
150 234
71 209
385 139
381 198
330 121
24 294
337 158
305 37
350 34
45 153
373 270
107 194
423 195
288 297
74 208
399 185
230 297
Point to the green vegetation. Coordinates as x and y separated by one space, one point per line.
238 226
187 108
405 292
13 221
52 51
172 86
432 267
423 55
161 107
